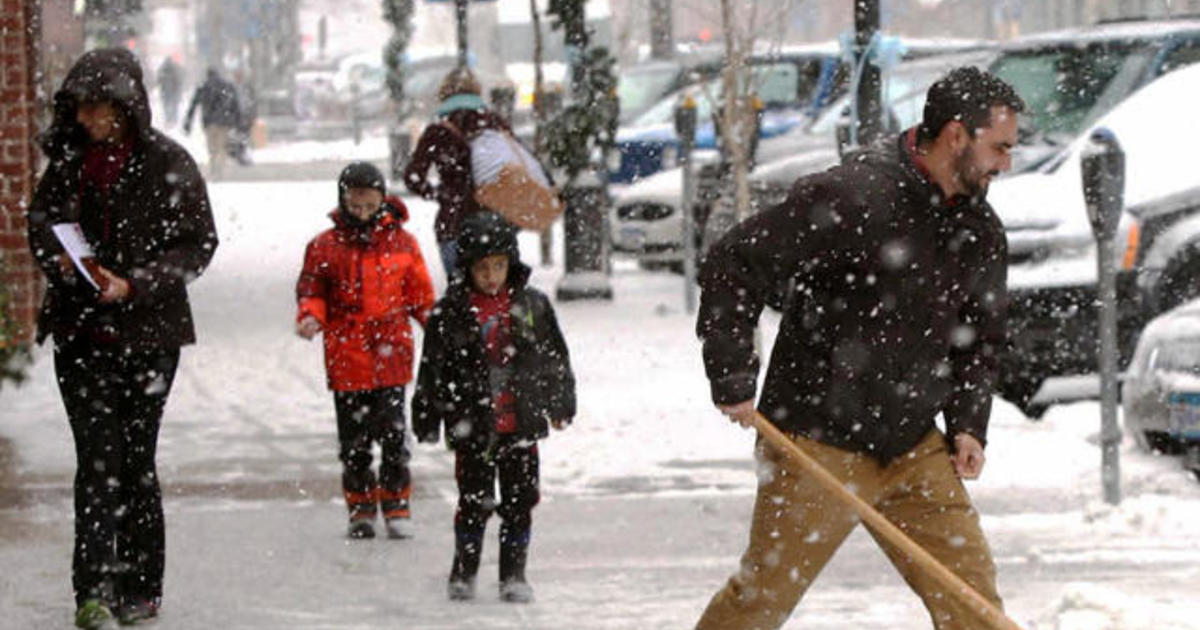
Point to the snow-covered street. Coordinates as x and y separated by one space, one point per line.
646 497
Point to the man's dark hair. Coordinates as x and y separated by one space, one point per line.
966 94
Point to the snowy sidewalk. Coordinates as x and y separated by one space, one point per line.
647 496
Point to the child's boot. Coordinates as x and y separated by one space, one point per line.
467 551
396 514
362 508
514 549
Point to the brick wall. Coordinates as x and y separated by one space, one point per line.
19 32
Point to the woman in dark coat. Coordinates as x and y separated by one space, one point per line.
141 204
444 144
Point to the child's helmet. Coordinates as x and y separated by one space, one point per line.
360 175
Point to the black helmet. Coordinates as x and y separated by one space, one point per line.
359 175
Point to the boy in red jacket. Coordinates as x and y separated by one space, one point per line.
362 281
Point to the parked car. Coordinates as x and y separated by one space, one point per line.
1160 392
1109 75
792 84
642 85
342 88
795 84
645 218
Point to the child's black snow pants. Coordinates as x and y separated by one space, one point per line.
366 417
514 462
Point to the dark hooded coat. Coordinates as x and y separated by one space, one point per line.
453 390
893 306
445 145
154 227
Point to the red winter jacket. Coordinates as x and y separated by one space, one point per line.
363 284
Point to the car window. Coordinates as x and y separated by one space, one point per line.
1182 55
1180 356
640 89
777 84
1067 88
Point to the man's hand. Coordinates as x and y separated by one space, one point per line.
559 424
308 327
116 288
741 413
968 456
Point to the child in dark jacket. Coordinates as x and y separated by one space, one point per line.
495 373
362 281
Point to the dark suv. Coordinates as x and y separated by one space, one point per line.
1071 80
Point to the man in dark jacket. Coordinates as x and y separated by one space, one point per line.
496 374
141 205
890 272
219 115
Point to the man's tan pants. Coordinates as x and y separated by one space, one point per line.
798 525
217 138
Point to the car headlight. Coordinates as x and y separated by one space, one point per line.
670 157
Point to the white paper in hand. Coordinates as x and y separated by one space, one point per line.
77 247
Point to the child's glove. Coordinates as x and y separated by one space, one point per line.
560 424
308 327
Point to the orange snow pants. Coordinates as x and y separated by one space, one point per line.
798 526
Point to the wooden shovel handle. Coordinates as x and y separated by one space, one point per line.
923 559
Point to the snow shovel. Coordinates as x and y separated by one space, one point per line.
955 585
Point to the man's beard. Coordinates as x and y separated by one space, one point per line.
972 179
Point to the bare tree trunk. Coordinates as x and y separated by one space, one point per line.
662 36
736 103
539 117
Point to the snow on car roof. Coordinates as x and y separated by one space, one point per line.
1181 322
1105 32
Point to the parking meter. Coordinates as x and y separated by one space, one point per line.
1103 171
685 130
685 120
1102 167
759 107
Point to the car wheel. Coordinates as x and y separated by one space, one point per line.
1192 460
1020 392
1160 442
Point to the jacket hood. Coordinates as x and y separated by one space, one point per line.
484 234
893 156
105 74
888 155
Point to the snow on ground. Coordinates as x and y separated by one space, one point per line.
250 405
373 147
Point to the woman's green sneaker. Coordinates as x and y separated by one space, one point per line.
93 615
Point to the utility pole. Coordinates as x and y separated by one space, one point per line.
867 94
662 36
460 18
